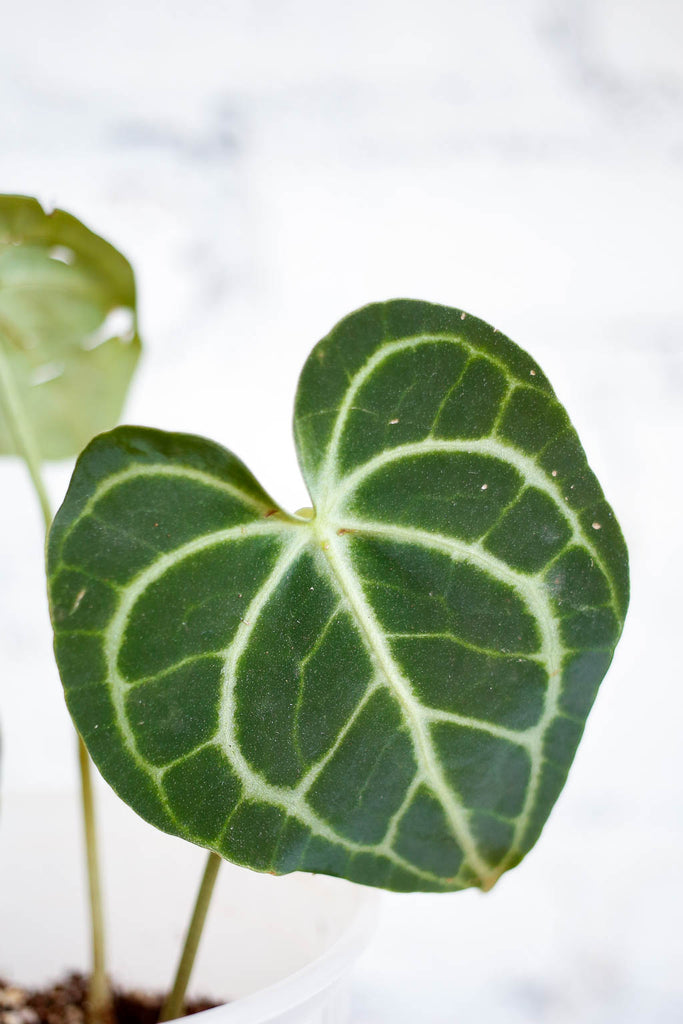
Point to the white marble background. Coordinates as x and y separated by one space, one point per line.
269 166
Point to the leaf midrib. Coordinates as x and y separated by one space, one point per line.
552 650
350 588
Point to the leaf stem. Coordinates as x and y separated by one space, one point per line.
173 1007
99 993
100 1006
22 434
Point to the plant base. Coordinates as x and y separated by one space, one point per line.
64 1003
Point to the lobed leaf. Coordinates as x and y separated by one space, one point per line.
68 332
391 691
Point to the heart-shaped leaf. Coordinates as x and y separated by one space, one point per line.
68 336
391 690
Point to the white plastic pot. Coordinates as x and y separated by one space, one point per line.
278 949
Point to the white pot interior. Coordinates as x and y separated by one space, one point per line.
260 928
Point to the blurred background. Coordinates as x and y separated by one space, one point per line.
270 165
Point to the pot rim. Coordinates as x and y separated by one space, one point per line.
304 984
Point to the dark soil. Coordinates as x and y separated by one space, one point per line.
64 1003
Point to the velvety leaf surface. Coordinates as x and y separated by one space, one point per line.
391 691
68 334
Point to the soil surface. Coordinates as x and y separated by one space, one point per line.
64 1003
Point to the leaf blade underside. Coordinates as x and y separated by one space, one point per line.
68 332
392 691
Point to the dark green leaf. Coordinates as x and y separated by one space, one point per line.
392 690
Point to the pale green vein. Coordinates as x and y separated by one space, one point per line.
114 634
303 664
459 550
314 771
190 659
522 737
524 464
397 816
449 393
552 651
328 476
169 471
502 406
400 687
226 732
489 652
127 535
161 771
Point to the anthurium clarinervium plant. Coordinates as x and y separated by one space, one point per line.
388 686
68 348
